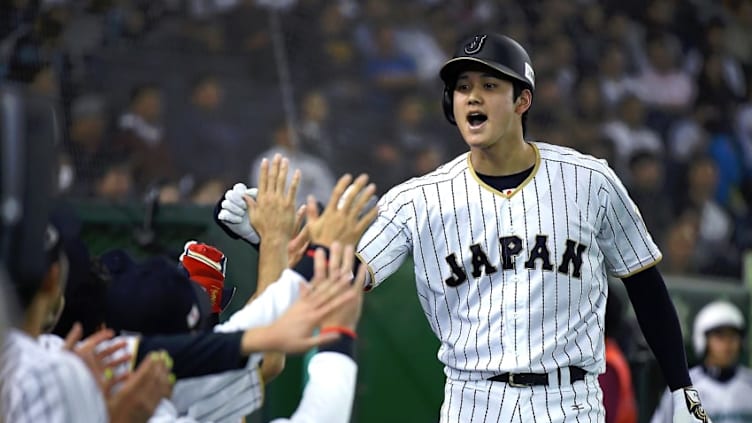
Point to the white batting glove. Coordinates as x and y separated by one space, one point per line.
687 406
235 213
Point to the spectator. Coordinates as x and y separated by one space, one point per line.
316 177
203 131
615 82
647 189
141 139
88 142
316 132
628 132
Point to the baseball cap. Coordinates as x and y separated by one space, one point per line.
153 297
206 264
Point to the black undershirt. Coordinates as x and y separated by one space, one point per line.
505 182
660 325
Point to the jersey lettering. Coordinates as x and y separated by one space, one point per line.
540 251
458 275
575 257
480 259
511 246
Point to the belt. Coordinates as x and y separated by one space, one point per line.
521 380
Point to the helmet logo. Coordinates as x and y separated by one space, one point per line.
475 45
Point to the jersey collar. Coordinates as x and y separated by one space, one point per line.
507 193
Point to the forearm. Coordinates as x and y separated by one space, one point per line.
272 261
657 318
197 354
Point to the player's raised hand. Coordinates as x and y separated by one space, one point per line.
272 212
329 289
351 209
234 212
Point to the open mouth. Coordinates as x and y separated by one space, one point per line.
476 119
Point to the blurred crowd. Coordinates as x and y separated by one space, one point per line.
183 98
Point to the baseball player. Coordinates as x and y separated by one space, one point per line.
512 244
725 385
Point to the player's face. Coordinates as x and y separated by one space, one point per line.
724 345
484 108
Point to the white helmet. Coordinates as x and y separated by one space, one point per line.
715 315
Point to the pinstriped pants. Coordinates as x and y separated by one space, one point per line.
490 402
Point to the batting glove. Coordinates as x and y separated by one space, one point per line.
687 406
235 215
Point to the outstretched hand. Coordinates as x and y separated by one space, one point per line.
330 289
272 213
346 216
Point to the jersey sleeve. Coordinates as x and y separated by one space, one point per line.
328 396
267 307
221 397
387 242
625 241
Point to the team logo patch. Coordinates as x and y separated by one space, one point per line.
529 74
475 45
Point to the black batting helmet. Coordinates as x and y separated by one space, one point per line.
498 53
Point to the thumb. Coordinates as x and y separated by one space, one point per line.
250 202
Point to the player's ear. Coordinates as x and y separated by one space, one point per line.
523 102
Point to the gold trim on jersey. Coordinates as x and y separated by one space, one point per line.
645 267
509 193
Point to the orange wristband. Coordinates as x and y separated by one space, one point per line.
339 329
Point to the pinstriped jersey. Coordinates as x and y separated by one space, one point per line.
513 281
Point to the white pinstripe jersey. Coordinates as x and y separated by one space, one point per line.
514 281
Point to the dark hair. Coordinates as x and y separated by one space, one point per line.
85 300
141 89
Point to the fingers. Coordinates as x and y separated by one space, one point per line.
239 187
236 199
281 175
363 198
94 340
293 191
299 215
348 259
360 277
355 189
335 257
263 175
111 349
325 338
337 192
73 336
365 221
312 209
319 268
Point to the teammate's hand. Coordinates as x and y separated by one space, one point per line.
348 314
234 212
272 212
330 288
347 215
101 362
143 390
687 406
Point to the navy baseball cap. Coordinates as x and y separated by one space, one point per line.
153 297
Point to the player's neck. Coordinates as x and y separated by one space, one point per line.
503 158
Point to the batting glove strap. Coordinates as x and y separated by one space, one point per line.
687 406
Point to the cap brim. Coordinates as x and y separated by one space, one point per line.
453 67
227 294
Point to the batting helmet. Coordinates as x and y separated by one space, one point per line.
715 315
499 53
